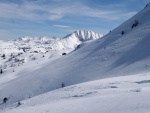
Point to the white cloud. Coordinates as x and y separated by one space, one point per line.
34 11
61 26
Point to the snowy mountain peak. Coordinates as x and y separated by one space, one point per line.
82 35
85 35
25 39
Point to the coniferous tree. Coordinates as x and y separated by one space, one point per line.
62 85
135 24
122 32
4 56
5 100
1 71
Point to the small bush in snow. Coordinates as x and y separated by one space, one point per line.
63 85
78 47
5 100
1 71
36 52
146 5
63 53
18 104
135 24
3 56
122 32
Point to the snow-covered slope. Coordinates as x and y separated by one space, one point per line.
122 52
27 54
26 49
111 95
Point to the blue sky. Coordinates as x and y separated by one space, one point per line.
61 17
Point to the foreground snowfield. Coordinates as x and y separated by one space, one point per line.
127 94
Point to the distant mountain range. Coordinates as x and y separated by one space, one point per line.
71 41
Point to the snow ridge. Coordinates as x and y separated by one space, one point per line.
85 35
69 42
43 44
81 35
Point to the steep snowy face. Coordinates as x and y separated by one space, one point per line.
143 18
78 37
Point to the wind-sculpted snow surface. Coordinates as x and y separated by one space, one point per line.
111 95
